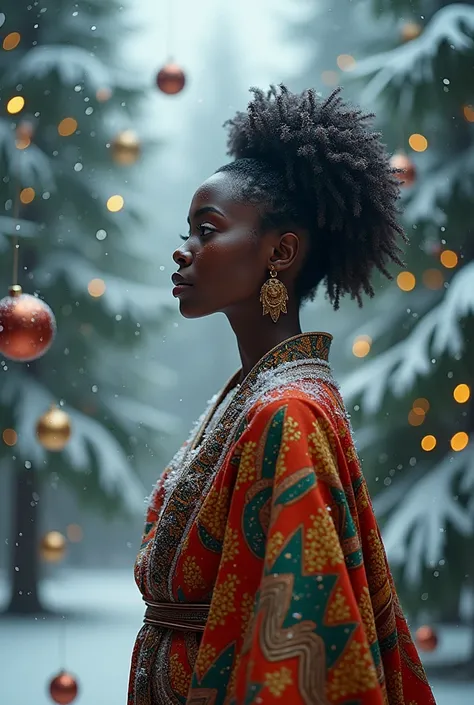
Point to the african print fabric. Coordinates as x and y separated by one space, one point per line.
264 514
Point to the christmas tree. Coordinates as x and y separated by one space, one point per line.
68 155
411 391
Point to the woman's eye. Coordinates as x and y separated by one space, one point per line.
205 230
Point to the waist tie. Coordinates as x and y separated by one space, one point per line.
184 616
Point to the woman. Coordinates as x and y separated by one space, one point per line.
262 566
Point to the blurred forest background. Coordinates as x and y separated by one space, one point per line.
98 168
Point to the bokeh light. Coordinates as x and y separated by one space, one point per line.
418 142
433 279
422 405
11 41
459 441
27 195
96 288
449 259
15 104
74 533
361 346
406 281
468 111
428 443
67 127
9 437
115 203
346 62
330 78
462 393
416 417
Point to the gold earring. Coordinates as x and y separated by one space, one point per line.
273 296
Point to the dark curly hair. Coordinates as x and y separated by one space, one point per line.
314 163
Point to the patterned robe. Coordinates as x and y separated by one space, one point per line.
264 514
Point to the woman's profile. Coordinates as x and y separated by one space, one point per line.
262 565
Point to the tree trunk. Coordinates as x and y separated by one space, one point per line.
24 559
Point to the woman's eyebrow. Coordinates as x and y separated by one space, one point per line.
206 209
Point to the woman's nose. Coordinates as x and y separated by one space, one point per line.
182 256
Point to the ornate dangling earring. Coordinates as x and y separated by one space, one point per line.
273 296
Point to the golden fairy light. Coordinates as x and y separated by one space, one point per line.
11 41
468 111
330 78
346 62
462 393
449 259
74 533
416 417
67 127
406 281
428 443
433 279
418 142
459 441
103 94
361 346
15 104
422 405
115 203
96 288
9 437
27 195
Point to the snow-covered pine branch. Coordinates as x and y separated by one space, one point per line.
437 332
90 443
120 297
412 63
415 532
72 64
131 413
437 183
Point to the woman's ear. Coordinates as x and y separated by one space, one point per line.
286 251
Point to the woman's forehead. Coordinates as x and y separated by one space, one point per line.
222 191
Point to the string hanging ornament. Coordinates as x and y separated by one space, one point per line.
171 78
63 687
27 324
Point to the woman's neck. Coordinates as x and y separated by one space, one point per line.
257 334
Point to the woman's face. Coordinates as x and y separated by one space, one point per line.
224 261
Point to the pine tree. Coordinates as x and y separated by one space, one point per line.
412 393
85 256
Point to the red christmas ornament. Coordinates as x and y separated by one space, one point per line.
171 79
27 326
63 688
426 638
401 161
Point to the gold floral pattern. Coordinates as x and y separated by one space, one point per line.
247 465
322 450
246 610
367 614
353 674
320 548
206 656
192 574
230 548
213 514
223 601
277 681
180 678
291 434
274 544
338 610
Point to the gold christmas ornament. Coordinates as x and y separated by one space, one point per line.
126 148
53 547
53 429
410 31
273 296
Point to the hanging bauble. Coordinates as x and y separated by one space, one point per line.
401 161
410 31
53 547
171 79
126 148
63 688
426 638
53 429
27 326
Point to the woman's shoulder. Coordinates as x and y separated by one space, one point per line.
317 399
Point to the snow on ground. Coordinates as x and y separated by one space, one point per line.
103 613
